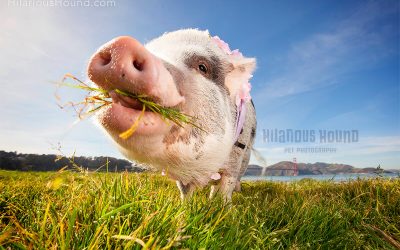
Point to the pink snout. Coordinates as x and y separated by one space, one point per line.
125 64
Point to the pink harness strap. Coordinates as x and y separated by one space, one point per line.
243 95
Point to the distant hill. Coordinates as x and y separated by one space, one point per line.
284 168
50 162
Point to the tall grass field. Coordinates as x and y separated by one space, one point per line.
69 210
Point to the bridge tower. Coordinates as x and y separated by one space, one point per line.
295 169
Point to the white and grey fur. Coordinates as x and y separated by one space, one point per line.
190 155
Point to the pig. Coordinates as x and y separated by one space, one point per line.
198 75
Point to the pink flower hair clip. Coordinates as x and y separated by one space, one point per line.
244 90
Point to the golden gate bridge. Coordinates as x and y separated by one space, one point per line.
293 167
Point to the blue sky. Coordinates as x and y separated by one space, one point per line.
322 65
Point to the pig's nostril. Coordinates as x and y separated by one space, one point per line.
138 65
105 58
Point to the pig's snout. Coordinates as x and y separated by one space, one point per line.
124 63
121 63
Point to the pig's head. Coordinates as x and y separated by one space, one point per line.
187 70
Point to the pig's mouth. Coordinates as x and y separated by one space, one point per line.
124 111
125 101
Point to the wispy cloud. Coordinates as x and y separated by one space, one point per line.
37 47
320 60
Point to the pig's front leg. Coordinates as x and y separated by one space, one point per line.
225 187
186 190
230 177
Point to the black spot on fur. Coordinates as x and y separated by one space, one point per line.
253 132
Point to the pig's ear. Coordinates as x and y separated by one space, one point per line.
240 73
245 64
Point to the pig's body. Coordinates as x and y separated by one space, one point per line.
192 72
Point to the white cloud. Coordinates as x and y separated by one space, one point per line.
35 43
37 47
354 43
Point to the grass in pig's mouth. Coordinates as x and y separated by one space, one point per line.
98 98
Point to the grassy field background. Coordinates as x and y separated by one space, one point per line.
71 210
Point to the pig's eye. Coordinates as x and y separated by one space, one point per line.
203 68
